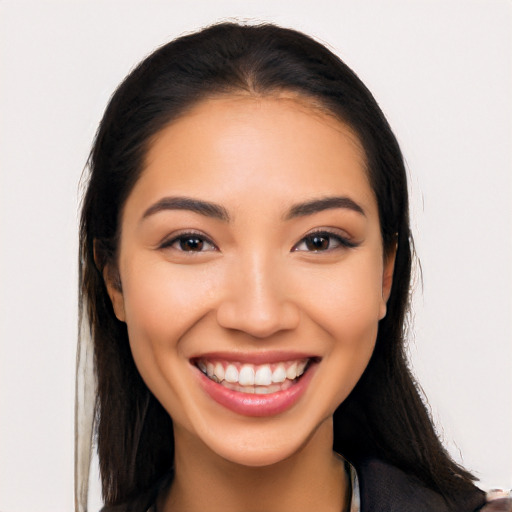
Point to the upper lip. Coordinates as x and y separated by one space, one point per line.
257 358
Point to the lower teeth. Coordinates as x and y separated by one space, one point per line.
258 390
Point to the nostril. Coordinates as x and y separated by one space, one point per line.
259 321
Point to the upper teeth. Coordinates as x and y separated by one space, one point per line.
253 375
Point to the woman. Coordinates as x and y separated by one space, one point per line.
245 269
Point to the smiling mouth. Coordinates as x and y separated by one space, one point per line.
259 379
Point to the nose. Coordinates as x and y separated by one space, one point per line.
256 300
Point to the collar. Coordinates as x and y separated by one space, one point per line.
385 488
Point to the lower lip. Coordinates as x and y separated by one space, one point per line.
249 404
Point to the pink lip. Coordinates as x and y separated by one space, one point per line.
248 404
256 358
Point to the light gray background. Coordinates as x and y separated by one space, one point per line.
442 72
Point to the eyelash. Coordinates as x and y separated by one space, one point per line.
201 239
187 237
341 241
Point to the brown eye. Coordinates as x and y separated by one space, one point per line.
317 243
191 243
323 241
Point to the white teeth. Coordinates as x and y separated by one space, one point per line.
263 376
246 376
253 378
291 372
231 374
301 366
279 374
219 372
265 390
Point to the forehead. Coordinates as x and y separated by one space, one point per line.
271 146
250 113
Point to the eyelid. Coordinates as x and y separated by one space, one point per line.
344 240
171 239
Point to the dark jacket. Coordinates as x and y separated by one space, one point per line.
382 488
385 488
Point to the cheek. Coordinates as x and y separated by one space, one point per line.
161 300
162 303
347 300
346 305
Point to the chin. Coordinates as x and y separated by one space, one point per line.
256 456
267 444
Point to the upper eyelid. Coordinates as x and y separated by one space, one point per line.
325 229
345 239
169 240
335 232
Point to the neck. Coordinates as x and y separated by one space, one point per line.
311 479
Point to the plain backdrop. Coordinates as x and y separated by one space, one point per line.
442 73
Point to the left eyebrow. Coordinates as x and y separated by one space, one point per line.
188 203
319 205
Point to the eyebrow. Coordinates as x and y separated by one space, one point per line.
319 205
219 212
187 203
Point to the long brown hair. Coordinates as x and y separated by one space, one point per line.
384 417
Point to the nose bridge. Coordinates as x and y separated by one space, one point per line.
258 301
262 290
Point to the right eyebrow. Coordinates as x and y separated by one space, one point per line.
188 203
326 203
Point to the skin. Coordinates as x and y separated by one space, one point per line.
256 286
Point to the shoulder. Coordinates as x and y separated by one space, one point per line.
498 501
385 488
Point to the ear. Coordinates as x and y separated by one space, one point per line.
114 290
111 278
387 279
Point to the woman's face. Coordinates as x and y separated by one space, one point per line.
252 273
